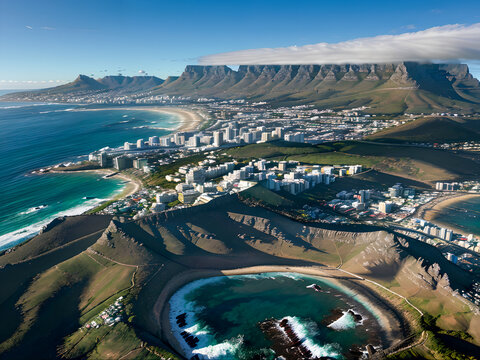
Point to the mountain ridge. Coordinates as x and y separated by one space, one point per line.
382 88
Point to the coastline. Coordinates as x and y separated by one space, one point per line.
389 324
131 187
431 212
190 120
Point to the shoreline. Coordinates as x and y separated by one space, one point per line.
431 213
375 304
131 187
190 120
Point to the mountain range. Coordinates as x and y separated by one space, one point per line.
382 88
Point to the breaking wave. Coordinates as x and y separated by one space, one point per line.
345 322
15 237
207 346
305 331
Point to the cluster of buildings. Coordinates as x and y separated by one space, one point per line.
237 122
432 229
369 204
294 178
110 316
448 186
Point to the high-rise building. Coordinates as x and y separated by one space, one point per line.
364 196
248 137
103 159
385 207
282 165
129 146
166 141
179 139
279 132
194 141
122 162
217 138
266 136
229 133
154 141
140 163
195 176
140 144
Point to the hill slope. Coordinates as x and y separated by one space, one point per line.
431 129
139 258
417 163
85 84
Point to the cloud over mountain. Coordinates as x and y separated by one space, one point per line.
442 43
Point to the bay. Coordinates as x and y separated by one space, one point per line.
38 135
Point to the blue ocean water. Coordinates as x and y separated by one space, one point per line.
38 135
225 314
463 215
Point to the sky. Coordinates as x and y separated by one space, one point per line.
49 42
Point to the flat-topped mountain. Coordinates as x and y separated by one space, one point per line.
390 88
382 88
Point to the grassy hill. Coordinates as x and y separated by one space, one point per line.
431 130
136 259
415 163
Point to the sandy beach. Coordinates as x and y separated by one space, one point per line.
133 185
190 119
386 317
431 210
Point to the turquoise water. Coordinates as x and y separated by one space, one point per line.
225 312
464 215
38 135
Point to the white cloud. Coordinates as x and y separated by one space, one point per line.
442 43
49 28
29 27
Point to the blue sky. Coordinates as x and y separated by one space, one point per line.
50 40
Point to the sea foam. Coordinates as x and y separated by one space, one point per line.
344 322
305 331
207 346
15 237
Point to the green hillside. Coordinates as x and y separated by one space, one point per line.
138 259
431 129
416 163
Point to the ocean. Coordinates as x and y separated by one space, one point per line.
463 215
225 314
39 135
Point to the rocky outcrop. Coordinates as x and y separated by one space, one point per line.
52 224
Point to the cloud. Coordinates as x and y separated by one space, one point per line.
142 72
47 28
442 43
29 27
